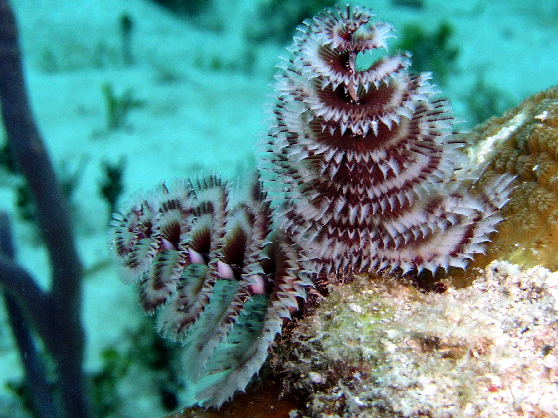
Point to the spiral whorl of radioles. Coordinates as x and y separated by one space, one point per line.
363 158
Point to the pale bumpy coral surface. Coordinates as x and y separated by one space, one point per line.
524 142
385 349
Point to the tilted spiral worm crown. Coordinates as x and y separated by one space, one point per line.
220 281
368 177
363 157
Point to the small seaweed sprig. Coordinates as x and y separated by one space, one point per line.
219 279
370 175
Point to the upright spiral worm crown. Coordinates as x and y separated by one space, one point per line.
369 174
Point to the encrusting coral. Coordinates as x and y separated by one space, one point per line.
524 142
360 175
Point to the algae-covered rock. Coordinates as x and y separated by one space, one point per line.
384 349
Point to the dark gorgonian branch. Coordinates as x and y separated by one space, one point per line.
367 175
55 313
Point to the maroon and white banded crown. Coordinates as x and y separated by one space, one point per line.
368 173
216 276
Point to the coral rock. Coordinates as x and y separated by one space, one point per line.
524 142
383 349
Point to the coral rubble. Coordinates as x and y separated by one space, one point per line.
524 142
383 349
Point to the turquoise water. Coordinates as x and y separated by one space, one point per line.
175 95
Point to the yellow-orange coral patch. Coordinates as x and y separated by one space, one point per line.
524 142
